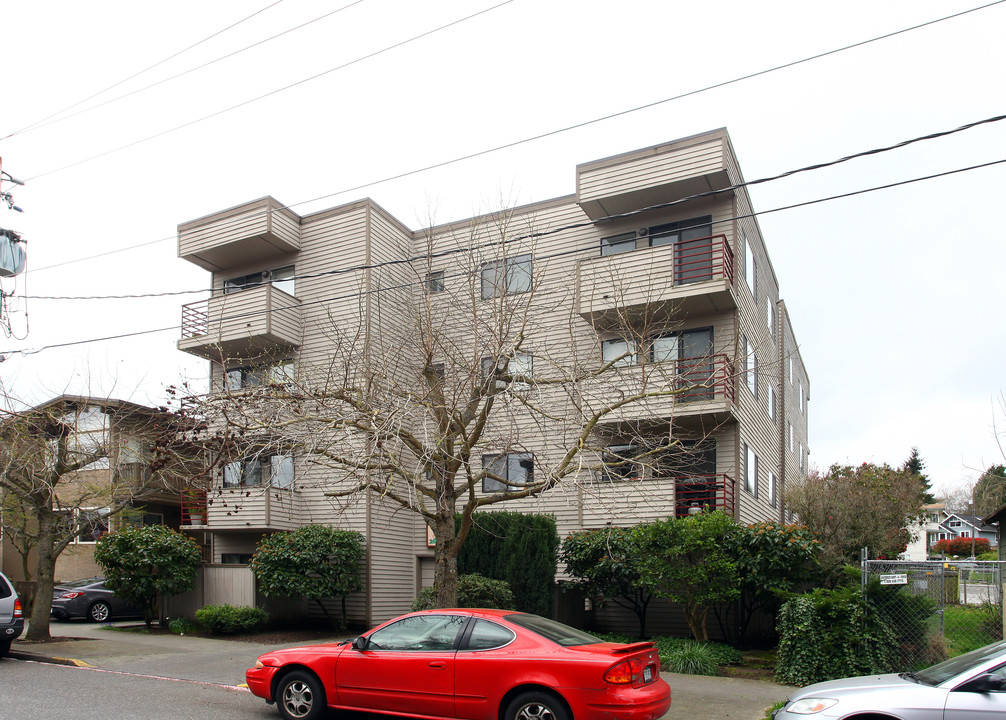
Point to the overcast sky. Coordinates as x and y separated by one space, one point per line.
895 295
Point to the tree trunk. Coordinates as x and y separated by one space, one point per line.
445 559
45 570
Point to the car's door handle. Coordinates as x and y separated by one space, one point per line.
438 664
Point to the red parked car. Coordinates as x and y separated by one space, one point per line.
471 664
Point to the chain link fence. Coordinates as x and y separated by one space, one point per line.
954 606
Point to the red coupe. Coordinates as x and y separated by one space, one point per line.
469 664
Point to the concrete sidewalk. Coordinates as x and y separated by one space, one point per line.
223 662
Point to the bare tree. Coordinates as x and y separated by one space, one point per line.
466 377
66 468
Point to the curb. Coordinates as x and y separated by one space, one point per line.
35 657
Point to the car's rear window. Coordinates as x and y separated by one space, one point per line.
80 583
555 631
5 589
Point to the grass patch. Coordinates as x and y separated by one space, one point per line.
969 627
682 655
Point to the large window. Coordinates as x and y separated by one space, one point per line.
274 470
751 367
620 352
281 373
90 523
507 277
512 471
692 351
281 279
520 368
617 463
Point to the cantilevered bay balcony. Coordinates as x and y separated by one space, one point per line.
259 321
690 277
262 231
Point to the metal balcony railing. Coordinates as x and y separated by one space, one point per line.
701 493
706 378
195 319
708 258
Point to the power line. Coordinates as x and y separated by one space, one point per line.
592 249
52 119
242 104
43 122
788 173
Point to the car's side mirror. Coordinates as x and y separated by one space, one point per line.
984 684
360 643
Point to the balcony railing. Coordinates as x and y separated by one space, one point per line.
702 493
193 508
705 378
690 275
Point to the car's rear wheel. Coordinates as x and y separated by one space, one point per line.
4 648
536 705
99 612
300 696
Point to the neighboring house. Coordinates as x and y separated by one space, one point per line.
665 233
938 523
995 520
123 432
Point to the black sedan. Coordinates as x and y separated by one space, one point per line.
89 599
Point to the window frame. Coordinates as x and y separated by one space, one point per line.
510 276
750 470
491 485
618 244
264 468
282 278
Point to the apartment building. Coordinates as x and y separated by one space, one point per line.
633 333
108 446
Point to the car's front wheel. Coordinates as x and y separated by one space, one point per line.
300 696
536 705
99 612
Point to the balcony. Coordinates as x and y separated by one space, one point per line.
250 323
258 232
697 494
686 387
689 277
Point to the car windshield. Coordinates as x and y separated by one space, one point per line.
941 672
555 631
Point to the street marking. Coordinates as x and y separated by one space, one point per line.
66 662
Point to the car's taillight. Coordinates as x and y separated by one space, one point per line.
625 672
70 595
17 609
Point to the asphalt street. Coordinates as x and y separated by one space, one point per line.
105 674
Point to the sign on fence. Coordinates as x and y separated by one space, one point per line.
896 579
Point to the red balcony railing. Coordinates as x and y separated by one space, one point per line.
195 319
194 507
702 259
702 493
705 378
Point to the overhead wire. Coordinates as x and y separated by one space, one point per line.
44 121
553 132
737 186
357 293
276 91
191 70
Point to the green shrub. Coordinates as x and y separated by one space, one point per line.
182 626
517 548
832 633
692 659
720 653
231 620
474 591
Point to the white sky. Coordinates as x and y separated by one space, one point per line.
872 282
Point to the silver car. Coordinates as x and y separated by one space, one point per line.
968 686
11 617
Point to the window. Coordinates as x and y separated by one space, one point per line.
693 249
519 368
770 399
507 277
751 367
434 281
791 368
621 352
789 425
90 523
772 482
486 635
750 470
799 448
235 558
281 373
617 464
770 315
750 271
418 633
138 517
616 244
512 471
281 278
277 470
692 351
802 407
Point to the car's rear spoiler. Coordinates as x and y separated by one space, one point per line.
634 647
